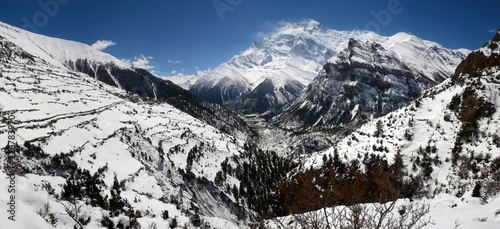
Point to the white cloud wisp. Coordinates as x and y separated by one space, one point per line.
103 44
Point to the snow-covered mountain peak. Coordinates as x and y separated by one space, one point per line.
492 47
308 23
296 28
295 54
292 56
403 36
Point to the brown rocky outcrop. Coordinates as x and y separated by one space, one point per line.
476 61
315 189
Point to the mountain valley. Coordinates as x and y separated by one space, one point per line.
308 128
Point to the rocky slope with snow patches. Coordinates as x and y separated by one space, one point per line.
444 146
369 79
73 130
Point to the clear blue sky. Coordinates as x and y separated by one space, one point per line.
185 34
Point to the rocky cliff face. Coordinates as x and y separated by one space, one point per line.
366 80
266 97
487 56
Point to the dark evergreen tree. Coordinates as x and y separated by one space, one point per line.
107 223
427 166
164 214
219 179
398 166
71 190
93 191
477 190
161 152
379 130
134 224
196 220
174 223
116 202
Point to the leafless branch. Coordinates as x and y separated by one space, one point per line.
73 210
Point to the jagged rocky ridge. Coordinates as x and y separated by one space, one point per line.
368 80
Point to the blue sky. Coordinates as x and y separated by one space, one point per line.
183 35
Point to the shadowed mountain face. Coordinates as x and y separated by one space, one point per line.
265 98
366 80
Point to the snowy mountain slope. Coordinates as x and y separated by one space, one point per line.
444 146
68 125
56 51
369 79
108 69
185 81
290 59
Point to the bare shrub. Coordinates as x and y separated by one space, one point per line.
405 215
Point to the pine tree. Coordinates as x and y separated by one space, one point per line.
164 214
173 224
379 130
71 190
196 220
161 152
116 202
398 165
477 190
93 191
427 166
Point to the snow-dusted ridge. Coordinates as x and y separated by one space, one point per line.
54 50
430 120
